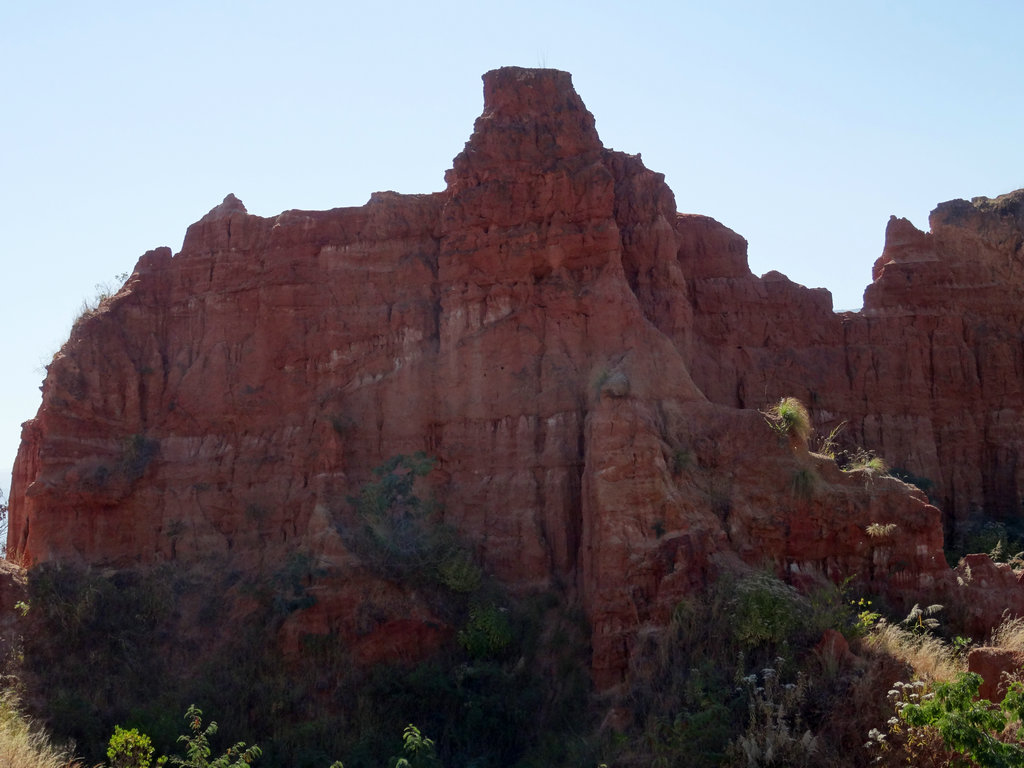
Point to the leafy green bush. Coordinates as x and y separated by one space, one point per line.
115 646
419 751
517 695
397 533
694 688
487 632
198 750
968 726
767 611
683 684
130 749
459 573
999 539
289 591
866 619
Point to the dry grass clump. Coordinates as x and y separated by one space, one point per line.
880 530
866 461
931 659
21 746
1009 635
921 659
789 417
828 445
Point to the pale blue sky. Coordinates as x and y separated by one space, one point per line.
801 125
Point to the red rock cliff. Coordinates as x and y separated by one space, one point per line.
584 363
929 374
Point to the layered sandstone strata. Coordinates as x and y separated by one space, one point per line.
584 363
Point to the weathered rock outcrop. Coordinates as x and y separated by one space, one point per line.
929 374
584 363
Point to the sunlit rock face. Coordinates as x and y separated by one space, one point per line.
585 365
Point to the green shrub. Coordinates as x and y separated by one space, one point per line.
968 726
684 690
997 538
831 606
697 737
397 533
418 750
767 611
198 751
866 619
459 573
487 632
130 749
681 460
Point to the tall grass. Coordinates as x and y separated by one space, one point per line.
22 746
1009 635
789 417
929 656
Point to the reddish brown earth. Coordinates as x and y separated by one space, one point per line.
584 363
997 667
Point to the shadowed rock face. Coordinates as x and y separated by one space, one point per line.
584 363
